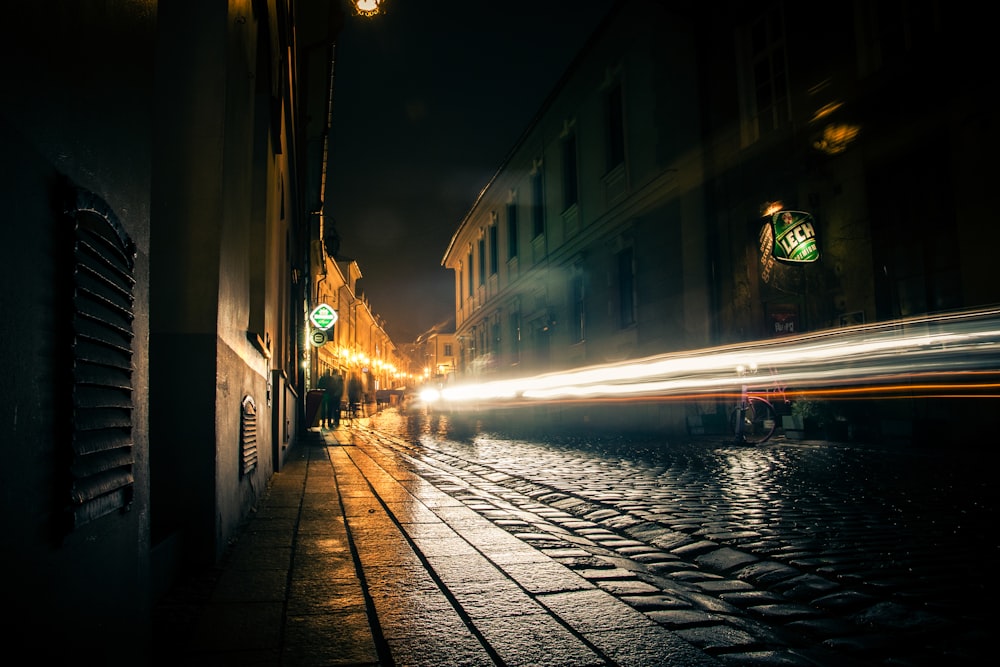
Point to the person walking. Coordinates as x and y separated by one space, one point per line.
354 391
336 392
325 383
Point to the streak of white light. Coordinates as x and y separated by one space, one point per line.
966 340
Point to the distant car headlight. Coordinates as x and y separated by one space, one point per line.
430 395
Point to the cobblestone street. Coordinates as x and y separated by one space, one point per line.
848 553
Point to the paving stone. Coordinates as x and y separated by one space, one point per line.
606 573
573 554
805 587
545 577
784 612
725 559
646 646
694 575
721 586
655 601
593 610
766 573
622 587
844 600
748 598
716 638
695 548
344 634
655 556
536 640
600 515
683 618
771 658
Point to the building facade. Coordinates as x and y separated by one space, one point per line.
633 216
356 346
163 171
433 353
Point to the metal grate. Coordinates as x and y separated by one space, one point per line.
248 435
103 286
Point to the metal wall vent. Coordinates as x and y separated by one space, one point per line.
248 435
103 287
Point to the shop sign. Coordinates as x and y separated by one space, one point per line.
317 338
323 316
784 323
794 235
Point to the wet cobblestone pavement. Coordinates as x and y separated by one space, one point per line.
788 553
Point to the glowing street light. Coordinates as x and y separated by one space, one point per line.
367 7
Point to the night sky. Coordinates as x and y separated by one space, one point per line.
428 100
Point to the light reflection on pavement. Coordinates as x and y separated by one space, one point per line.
913 529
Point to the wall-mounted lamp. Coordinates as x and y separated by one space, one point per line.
367 7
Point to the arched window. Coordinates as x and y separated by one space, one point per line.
102 334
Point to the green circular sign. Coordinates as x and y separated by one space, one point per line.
317 338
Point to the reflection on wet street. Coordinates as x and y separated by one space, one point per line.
814 538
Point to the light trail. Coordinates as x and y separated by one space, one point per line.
953 355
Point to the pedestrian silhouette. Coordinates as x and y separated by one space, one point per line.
329 409
354 391
336 392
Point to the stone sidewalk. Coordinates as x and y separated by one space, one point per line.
351 559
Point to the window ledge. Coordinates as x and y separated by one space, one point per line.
258 343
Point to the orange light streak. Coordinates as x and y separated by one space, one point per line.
945 356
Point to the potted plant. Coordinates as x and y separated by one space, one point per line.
794 426
807 419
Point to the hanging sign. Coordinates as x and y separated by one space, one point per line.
794 237
323 316
317 338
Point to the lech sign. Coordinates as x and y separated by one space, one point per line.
794 237
323 316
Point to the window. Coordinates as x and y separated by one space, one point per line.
512 230
495 333
615 118
578 309
447 349
766 102
626 289
537 205
248 436
471 279
99 469
494 251
515 338
893 30
482 261
570 193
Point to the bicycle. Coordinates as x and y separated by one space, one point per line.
754 420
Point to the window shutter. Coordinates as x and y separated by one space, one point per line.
101 470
